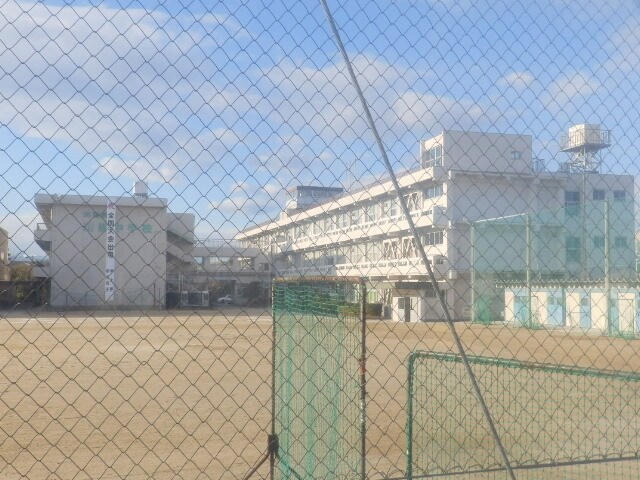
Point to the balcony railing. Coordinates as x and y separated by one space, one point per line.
220 243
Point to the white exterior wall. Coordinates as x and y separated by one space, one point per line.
573 309
78 251
483 176
75 241
627 299
486 152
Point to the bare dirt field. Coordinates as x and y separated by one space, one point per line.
187 394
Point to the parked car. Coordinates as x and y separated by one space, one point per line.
226 299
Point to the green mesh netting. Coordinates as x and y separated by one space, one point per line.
572 267
318 410
554 421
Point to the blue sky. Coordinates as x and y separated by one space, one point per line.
221 106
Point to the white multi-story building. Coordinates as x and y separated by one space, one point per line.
145 241
461 177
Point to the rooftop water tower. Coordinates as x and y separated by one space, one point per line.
583 143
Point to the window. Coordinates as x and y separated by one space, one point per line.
434 191
393 207
389 208
620 242
598 241
434 238
598 195
371 214
390 250
374 251
246 263
571 197
199 260
572 202
356 215
343 220
413 201
516 154
572 249
217 261
432 157
619 195
327 224
408 248
331 223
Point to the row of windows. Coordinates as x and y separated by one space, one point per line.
243 263
573 245
388 208
395 248
573 197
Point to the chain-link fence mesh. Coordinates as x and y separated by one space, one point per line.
319 390
163 163
555 420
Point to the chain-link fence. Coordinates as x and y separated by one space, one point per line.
319 239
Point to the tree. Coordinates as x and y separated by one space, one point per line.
254 293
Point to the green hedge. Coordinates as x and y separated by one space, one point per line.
353 309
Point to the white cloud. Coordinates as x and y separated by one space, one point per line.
140 169
20 227
110 81
433 113
325 100
579 83
517 80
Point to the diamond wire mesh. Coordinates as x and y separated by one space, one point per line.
556 421
488 111
318 351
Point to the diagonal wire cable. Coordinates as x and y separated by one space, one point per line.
419 245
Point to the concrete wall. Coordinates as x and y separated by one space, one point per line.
77 257
486 152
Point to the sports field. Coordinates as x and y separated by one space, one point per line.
187 395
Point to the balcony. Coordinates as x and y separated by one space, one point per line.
42 236
376 268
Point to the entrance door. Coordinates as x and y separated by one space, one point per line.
407 309
556 311
614 316
585 312
627 313
522 312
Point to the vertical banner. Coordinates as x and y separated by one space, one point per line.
110 264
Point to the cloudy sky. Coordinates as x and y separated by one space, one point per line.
220 107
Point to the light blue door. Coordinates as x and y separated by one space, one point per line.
585 312
522 313
555 311
614 316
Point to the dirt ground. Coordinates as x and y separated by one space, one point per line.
188 394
